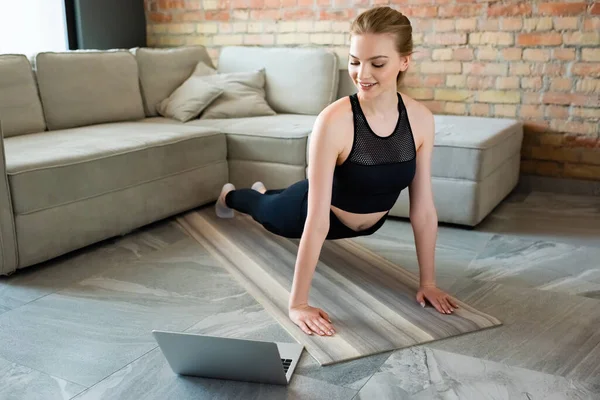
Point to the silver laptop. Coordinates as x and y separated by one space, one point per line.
228 358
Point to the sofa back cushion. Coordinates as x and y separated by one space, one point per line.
346 86
164 70
88 87
20 106
298 80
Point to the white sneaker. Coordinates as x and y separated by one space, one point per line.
221 208
258 186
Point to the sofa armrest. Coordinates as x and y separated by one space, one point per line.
8 237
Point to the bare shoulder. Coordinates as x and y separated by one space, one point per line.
336 121
339 111
420 118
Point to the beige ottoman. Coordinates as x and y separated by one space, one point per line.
475 166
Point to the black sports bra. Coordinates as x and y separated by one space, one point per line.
377 168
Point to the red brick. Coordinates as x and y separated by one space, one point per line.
520 68
435 107
507 10
216 15
454 108
586 69
595 10
265 15
557 112
562 8
530 98
512 54
480 68
510 82
551 69
583 128
421 54
536 55
512 24
235 4
462 54
171 4
443 25
561 84
446 38
551 139
590 54
489 25
480 110
566 23
432 81
460 10
339 15
478 82
302 13
588 85
189 16
531 111
563 54
534 83
421 24
256 4
539 39
421 12
591 24
160 17
586 113
580 141
571 98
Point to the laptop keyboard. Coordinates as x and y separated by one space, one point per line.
286 364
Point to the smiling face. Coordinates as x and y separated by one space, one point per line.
374 63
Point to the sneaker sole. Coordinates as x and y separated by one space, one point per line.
221 210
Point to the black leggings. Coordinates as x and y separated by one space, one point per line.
283 211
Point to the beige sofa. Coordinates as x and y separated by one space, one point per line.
85 155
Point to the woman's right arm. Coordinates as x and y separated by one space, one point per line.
323 152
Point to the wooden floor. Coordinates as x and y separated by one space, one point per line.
370 300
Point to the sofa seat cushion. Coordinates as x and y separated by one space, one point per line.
472 148
279 138
58 167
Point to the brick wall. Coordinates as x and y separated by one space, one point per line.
537 61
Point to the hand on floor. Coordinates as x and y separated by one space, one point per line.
311 319
438 298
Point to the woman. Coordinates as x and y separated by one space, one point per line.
363 151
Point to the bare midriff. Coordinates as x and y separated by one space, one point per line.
357 222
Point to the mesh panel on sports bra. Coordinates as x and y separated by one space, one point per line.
371 149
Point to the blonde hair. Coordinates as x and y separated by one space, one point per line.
386 20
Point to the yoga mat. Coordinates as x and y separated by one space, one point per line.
370 300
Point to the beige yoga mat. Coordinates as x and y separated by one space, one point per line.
370 300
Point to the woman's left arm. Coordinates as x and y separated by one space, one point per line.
423 217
